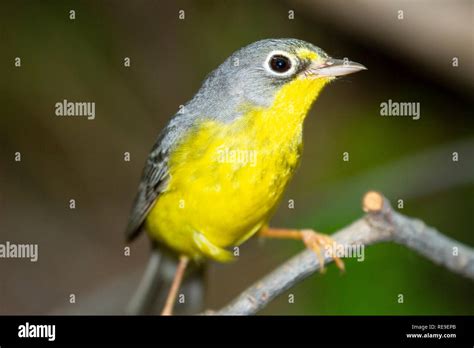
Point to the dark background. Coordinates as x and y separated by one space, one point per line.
81 250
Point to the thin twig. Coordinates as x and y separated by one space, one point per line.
380 224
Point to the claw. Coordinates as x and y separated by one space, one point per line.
316 241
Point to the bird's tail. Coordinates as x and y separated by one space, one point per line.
151 293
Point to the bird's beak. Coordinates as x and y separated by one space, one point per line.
334 67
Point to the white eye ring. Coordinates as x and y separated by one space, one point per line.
291 58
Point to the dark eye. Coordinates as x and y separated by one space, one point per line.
280 64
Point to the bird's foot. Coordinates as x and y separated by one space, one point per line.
318 243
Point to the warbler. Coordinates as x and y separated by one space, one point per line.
220 166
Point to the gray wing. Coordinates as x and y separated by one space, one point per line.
153 182
155 174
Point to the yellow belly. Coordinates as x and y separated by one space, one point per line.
226 180
223 189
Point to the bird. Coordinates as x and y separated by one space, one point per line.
220 166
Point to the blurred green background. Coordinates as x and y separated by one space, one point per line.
81 250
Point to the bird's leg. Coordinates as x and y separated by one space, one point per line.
171 299
313 240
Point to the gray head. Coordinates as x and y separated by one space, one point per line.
255 73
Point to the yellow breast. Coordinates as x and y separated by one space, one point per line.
227 178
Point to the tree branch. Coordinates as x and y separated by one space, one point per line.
380 224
